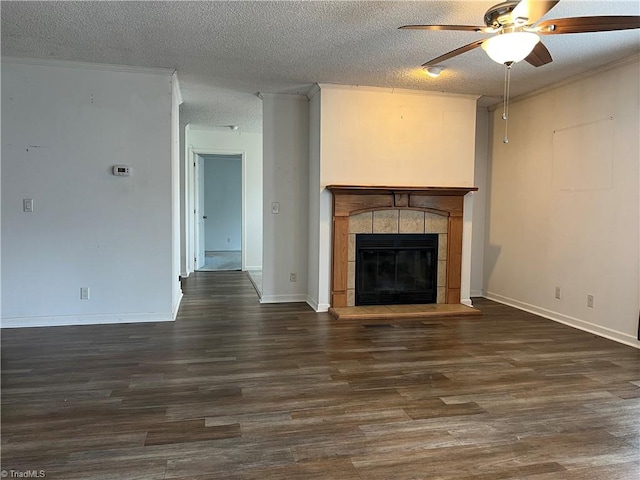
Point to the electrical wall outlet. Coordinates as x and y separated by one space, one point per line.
27 205
84 293
293 277
558 293
590 301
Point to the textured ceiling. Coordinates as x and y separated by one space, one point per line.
227 51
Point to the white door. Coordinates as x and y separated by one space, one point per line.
199 213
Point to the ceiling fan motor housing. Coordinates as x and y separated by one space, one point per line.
500 14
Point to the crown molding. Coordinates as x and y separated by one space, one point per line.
89 66
575 79
400 91
284 96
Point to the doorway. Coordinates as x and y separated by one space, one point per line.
219 212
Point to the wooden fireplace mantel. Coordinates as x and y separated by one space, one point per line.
353 199
369 190
350 199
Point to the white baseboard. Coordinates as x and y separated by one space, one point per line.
253 282
318 307
583 325
294 297
466 301
176 306
101 319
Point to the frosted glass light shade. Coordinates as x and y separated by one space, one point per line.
510 47
433 71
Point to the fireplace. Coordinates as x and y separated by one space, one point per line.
363 209
396 269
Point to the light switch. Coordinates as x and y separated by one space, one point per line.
27 205
275 207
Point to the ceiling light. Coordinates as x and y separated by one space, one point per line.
433 71
510 47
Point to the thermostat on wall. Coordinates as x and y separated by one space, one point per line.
121 170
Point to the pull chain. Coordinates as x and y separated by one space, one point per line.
505 97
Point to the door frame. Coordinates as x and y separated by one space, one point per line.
193 229
198 213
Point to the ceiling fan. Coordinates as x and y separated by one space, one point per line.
517 36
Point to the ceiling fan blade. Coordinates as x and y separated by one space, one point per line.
465 28
453 53
605 23
539 56
532 10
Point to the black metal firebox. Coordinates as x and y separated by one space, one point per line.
396 269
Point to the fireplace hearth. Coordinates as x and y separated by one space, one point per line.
396 269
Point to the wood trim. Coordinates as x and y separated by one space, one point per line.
347 204
451 206
454 260
339 299
340 261
352 199
400 200
372 190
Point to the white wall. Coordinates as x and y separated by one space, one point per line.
314 292
249 145
286 181
560 215
176 100
64 127
185 217
374 136
223 202
479 202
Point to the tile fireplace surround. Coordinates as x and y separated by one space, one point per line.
378 209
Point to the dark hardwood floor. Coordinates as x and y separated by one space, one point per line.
238 390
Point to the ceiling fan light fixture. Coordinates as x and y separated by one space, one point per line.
433 71
510 47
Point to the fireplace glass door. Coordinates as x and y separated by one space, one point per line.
394 269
